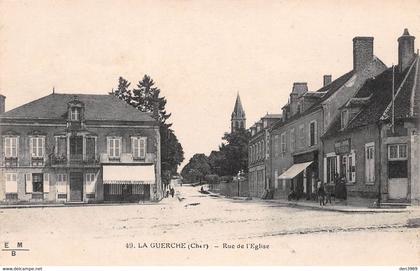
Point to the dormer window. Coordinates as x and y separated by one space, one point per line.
344 118
75 114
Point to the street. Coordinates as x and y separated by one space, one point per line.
194 228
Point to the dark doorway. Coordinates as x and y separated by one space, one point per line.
76 186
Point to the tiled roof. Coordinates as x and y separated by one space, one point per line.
327 91
379 89
97 107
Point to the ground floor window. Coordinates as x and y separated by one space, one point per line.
397 161
61 186
11 183
348 166
37 182
331 168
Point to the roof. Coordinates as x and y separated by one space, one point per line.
327 91
376 95
97 107
238 110
272 116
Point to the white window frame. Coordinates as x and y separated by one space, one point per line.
136 146
11 183
292 140
283 143
369 180
9 151
399 157
348 166
75 113
315 133
112 152
35 142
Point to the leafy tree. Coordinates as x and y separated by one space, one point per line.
235 152
146 97
196 169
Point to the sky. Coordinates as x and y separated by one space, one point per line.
199 53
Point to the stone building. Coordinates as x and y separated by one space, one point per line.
259 155
295 145
374 142
238 118
79 148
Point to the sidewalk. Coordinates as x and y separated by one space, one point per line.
337 206
74 204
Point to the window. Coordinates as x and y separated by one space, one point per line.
61 146
397 152
302 135
313 133
348 167
292 140
11 183
61 184
10 147
370 162
283 142
114 147
90 148
37 146
397 161
331 168
37 182
344 118
138 147
90 182
75 113
276 146
76 148
276 181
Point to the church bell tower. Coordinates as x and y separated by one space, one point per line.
238 119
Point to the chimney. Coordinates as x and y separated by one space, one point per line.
327 79
362 52
2 103
405 50
300 88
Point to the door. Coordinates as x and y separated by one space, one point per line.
76 186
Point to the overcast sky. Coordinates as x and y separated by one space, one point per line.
200 53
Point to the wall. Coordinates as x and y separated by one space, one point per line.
231 189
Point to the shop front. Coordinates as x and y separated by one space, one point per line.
128 183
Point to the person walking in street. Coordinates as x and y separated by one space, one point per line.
321 192
172 191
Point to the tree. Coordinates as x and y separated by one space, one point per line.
123 92
235 152
146 97
196 169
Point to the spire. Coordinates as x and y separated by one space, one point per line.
238 111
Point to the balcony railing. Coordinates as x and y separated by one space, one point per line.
74 159
11 161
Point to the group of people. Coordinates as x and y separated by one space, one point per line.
170 190
336 190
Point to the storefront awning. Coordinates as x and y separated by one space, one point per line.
123 174
294 170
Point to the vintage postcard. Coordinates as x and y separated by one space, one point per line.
209 133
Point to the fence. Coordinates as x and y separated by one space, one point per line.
230 189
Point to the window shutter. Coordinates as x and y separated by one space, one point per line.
46 182
276 181
325 170
353 166
315 133
28 182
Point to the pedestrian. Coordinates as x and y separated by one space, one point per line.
321 193
172 191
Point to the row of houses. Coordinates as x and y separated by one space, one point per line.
352 128
78 148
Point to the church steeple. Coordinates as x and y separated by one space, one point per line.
238 119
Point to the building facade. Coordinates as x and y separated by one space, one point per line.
79 148
259 155
295 143
374 141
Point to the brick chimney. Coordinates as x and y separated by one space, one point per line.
327 79
405 50
362 52
2 103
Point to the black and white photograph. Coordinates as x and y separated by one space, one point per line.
204 133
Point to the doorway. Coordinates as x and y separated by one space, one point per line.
76 186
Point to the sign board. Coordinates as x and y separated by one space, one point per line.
342 146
